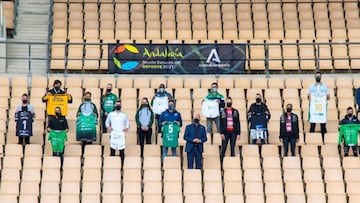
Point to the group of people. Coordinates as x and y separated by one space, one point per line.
216 108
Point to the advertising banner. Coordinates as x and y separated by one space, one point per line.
176 58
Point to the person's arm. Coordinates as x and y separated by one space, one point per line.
180 120
187 135
151 118
138 124
161 119
281 127
222 102
108 121
297 127
340 136
267 112
66 126
127 124
70 100
44 98
203 134
78 111
357 97
95 111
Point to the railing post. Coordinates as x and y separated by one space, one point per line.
317 58
29 58
267 75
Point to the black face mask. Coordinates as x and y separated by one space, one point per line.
117 107
57 88
87 100
24 101
288 110
197 121
317 79
350 115
108 90
228 104
258 100
58 114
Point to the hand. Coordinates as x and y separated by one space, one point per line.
297 140
266 112
280 139
218 101
178 122
163 123
105 113
238 137
109 129
222 136
144 128
125 129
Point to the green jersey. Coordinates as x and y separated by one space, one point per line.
108 102
57 139
170 134
350 133
86 128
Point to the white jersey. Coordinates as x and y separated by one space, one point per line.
317 110
160 104
118 122
210 108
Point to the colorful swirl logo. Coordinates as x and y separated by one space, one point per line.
128 65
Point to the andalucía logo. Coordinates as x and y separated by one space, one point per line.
128 65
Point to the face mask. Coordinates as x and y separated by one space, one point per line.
288 110
108 90
87 100
117 107
144 105
24 108
57 88
58 114
349 115
171 107
228 104
258 100
24 101
214 89
162 89
318 79
196 120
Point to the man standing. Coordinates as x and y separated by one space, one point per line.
289 130
195 136
171 122
117 124
318 94
107 105
212 100
159 104
349 131
258 117
24 117
357 99
56 97
144 120
58 127
229 128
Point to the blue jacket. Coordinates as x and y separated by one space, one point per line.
357 96
189 136
170 117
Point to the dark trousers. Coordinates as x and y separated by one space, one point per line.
194 153
322 126
347 149
229 136
61 155
22 139
122 155
144 136
289 140
103 119
83 144
157 117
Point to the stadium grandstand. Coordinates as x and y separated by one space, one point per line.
271 47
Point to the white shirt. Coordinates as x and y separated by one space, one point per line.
117 120
210 108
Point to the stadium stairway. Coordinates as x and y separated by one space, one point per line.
32 26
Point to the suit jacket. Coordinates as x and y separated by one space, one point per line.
294 126
189 135
236 122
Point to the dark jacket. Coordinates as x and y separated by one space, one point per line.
294 126
347 120
236 121
189 136
258 116
357 96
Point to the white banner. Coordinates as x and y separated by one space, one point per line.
210 108
160 104
317 110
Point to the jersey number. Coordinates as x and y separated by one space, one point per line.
24 124
171 129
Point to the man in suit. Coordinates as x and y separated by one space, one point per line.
195 136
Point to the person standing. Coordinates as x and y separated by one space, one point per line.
349 132
61 101
357 99
144 120
24 117
57 128
171 122
87 115
289 130
229 128
318 94
258 118
107 105
212 105
195 136
117 123
159 104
